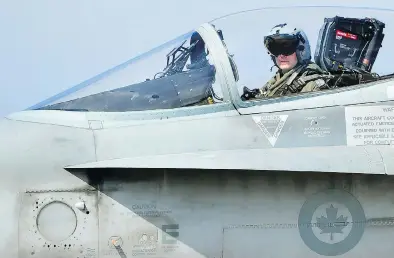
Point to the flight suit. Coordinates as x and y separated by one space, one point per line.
303 78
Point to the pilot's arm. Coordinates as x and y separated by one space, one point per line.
250 94
258 93
254 93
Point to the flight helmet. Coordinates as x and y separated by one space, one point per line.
286 39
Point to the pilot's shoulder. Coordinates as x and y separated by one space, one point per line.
313 67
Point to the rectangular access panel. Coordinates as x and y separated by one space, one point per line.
59 224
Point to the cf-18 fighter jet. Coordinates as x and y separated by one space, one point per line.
178 153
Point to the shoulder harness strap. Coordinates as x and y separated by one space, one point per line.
294 84
297 84
278 83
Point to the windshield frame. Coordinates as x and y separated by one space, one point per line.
305 99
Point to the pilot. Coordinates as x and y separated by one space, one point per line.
290 51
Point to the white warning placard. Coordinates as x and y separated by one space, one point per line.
370 125
271 126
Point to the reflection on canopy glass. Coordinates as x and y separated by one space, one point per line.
177 74
342 46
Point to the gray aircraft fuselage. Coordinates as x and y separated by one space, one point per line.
231 189
223 180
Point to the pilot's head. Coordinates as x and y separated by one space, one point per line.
288 46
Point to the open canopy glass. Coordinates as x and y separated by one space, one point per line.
177 74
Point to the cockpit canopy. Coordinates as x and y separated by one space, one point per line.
177 74
194 69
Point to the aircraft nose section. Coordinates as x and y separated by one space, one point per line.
7 135
11 149
34 146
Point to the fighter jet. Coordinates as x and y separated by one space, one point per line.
162 156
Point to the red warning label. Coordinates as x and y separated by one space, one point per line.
346 34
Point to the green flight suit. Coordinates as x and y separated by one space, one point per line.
302 78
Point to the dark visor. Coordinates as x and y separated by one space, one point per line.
281 45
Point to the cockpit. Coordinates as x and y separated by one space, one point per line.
218 61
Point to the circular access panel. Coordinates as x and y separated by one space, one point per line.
56 221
